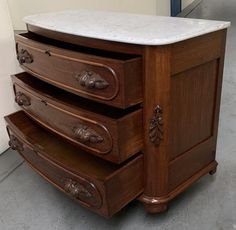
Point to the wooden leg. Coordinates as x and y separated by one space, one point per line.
156 208
213 171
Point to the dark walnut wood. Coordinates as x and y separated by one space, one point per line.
185 80
96 184
90 73
22 100
15 144
156 126
152 110
110 133
91 80
86 134
24 57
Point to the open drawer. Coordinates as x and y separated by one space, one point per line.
110 133
96 184
107 77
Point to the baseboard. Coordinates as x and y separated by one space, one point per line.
187 10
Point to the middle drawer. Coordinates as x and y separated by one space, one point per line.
109 133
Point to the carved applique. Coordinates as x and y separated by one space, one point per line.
156 126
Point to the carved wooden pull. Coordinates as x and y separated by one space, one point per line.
76 189
15 144
87 134
91 80
23 56
22 100
156 126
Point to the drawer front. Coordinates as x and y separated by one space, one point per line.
77 187
97 134
96 184
94 77
85 132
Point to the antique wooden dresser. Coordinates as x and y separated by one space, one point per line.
117 107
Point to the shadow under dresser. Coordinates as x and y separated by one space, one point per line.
112 113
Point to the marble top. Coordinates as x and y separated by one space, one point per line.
123 27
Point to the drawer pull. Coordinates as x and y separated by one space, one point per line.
23 56
91 80
15 144
22 100
86 134
76 189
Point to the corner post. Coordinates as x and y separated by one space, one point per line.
156 127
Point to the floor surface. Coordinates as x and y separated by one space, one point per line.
28 202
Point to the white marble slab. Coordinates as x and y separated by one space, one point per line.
127 28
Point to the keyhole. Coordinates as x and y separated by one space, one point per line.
44 102
48 52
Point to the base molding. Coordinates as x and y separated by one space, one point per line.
160 204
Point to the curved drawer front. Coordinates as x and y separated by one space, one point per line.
75 186
89 76
96 184
95 133
80 129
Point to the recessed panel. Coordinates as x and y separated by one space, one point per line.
192 107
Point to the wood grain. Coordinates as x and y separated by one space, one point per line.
114 138
63 66
161 100
104 188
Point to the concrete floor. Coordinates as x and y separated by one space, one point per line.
28 202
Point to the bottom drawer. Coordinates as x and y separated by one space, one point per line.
96 184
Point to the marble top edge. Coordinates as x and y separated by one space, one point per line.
124 27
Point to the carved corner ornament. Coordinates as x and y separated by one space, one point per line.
23 56
156 126
22 100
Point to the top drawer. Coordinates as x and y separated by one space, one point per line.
110 78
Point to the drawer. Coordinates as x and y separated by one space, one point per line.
101 186
110 133
111 78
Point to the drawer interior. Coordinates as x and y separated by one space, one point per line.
77 48
70 99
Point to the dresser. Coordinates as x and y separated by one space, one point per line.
116 107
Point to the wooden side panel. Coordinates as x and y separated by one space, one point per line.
193 95
118 186
195 107
186 82
130 135
183 167
133 87
196 51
